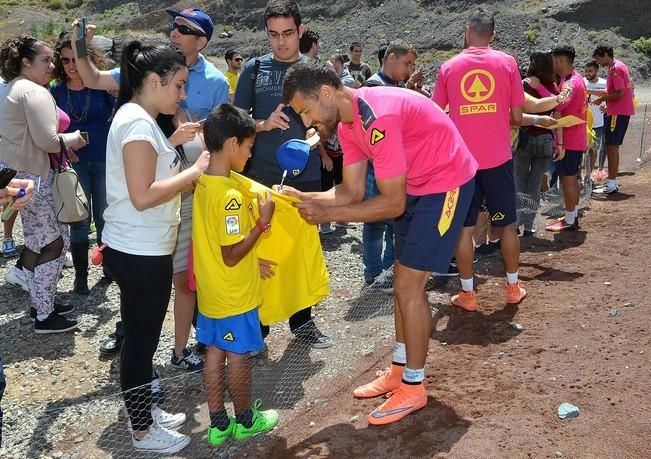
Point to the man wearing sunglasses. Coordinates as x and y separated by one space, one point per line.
260 91
234 61
190 32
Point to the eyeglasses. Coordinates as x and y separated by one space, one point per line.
67 60
185 30
287 34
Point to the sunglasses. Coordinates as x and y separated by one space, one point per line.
67 60
185 30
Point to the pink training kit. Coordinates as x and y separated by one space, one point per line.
403 133
620 78
575 138
481 86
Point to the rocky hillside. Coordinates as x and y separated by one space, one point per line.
435 27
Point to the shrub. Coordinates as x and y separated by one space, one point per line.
642 45
531 35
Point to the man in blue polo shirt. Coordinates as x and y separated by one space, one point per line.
190 32
206 88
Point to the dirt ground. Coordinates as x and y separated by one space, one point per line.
494 390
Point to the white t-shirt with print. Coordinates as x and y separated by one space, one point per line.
597 115
153 231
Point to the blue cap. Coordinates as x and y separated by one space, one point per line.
292 157
196 16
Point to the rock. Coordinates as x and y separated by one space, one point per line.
607 283
223 35
628 305
320 402
558 454
613 312
312 424
568 411
354 419
518 327
500 355
552 379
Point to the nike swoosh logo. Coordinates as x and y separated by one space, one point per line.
381 414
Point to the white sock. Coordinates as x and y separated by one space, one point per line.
42 317
612 183
413 376
399 353
467 285
494 241
570 216
512 278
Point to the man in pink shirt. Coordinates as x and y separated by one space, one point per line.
424 173
619 109
484 92
574 140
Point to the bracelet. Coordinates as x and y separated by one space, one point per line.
535 119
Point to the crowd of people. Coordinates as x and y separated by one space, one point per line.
158 142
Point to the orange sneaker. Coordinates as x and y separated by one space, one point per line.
388 380
406 399
465 300
515 293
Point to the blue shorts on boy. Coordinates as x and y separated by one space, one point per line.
427 233
238 334
615 127
495 186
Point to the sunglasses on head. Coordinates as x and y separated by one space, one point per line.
67 60
185 30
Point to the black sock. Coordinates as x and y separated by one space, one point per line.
246 418
220 419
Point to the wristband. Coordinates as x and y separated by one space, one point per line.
80 44
264 227
535 120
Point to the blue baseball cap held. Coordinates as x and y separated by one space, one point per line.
196 16
292 157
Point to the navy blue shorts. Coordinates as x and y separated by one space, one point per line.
238 334
497 187
427 233
569 165
615 127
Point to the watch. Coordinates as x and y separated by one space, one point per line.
264 227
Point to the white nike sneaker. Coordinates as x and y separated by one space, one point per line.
17 277
161 440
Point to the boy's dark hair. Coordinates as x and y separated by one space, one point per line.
139 60
230 54
225 122
339 58
307 78
593 64
602 50
381 52
482 22
399 48
354 45
565 50
283 8
309 38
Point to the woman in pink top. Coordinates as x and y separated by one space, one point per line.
28 134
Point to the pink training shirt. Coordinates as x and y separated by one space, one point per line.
404 133
481 86
620 78
575 137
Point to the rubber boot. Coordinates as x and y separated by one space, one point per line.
79 252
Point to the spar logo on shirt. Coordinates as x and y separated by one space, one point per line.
477 86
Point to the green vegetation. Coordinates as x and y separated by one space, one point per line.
642 45
531 35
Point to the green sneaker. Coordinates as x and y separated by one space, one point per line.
92 228
216 437
263 421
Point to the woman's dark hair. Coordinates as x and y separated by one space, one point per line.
307 78
14 50
282 8
59 73
541 65
225 122
139 60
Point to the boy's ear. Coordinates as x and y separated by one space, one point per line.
231 144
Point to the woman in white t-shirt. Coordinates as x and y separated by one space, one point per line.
143 186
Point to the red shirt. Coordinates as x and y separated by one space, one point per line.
403 133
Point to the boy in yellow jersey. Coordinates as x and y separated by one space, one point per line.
228 275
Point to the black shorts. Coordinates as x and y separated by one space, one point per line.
497 187
615 127
427 233
569 165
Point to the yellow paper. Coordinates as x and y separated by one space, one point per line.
565 122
